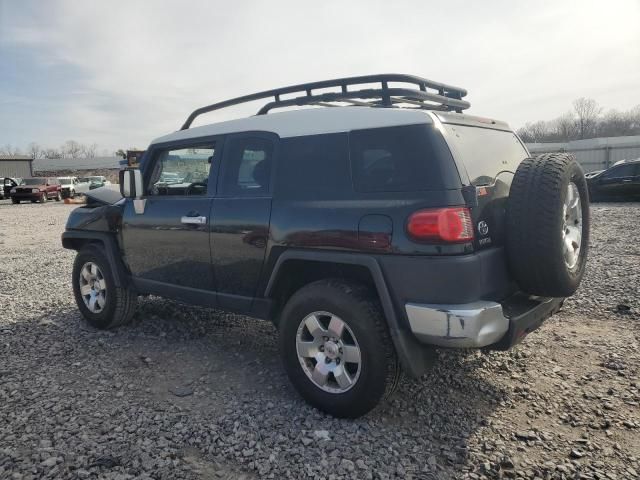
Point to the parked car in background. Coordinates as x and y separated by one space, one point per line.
37 189
97 182
7 184
619 182
68 185
82 185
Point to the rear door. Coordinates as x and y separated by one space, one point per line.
488 159
166 234
240 217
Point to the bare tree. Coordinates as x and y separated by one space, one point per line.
564 127
71 149
534 132
587 110
52 153
9 150
34 150
89 151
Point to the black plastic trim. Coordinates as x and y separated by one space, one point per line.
76 240
415 357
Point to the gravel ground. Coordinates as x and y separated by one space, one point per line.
192 393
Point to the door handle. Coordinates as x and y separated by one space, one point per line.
193 220
626 180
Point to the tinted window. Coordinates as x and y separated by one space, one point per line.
621 171
247 167
400 159
314 166
34 181
183 171
485 152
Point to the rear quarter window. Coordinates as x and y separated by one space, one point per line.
401 159
485 152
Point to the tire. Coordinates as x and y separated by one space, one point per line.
374 378
58 197
119 303
15 201
44 198
541 258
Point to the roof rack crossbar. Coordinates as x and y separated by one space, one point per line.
446 98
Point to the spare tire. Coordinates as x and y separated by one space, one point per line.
547 220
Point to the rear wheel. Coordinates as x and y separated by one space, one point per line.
336 348
101 302
15 200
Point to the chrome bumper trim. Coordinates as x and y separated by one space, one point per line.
469 325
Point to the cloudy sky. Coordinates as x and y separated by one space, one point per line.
121 72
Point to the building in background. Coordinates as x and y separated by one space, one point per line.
75 164
594 153
16 166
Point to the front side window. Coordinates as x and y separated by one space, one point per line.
247 168
183 171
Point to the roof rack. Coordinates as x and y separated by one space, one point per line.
428 95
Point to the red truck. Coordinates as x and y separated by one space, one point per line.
37 189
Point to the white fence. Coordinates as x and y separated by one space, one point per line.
594 153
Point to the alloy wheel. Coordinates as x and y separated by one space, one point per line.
328 352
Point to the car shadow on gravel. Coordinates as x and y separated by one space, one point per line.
196 378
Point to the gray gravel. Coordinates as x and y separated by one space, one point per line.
192 393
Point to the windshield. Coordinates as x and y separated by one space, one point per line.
64 181
95 179
34 181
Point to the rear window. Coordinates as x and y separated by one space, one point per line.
485 152
401 159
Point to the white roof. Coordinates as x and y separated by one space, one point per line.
311 121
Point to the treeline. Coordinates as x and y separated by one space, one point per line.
70 149
585 120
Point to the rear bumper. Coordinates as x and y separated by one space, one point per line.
480 324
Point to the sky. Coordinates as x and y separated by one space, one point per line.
120 73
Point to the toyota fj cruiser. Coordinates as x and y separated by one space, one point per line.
370 231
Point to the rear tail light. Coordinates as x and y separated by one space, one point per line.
441 225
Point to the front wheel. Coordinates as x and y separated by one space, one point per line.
15 201
336 348
58 197
44 198
101 302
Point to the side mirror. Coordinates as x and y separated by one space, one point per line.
131 183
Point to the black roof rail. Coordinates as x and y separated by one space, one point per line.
428 95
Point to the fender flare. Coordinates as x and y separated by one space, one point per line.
77 239
416 358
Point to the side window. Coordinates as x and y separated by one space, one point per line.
183 171
399 159
247 167
620 172
314 166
